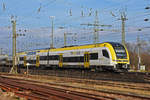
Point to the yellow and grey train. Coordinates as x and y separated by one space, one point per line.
101 56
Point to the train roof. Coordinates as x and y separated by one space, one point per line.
115 43
72 47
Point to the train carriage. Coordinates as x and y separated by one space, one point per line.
3 60
102 56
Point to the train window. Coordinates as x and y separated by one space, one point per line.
43 57
31 61
55 57
51 57
73 59
21 58
93 56
119 50
105 53
81 59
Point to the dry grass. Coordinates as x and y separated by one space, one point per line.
9 96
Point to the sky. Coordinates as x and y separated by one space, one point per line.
34 20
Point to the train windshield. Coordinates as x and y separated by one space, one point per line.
120 50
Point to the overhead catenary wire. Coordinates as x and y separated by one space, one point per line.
74 18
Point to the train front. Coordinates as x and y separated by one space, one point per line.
121 57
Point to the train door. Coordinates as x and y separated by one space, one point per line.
86 60
60 60
37 61
25 61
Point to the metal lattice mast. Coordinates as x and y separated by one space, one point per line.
123 19
52 32
14 67
96 28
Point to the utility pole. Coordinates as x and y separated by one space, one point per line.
52 32
14 67
139 57
123 19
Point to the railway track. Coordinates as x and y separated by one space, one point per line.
112 84
40 92
29 87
